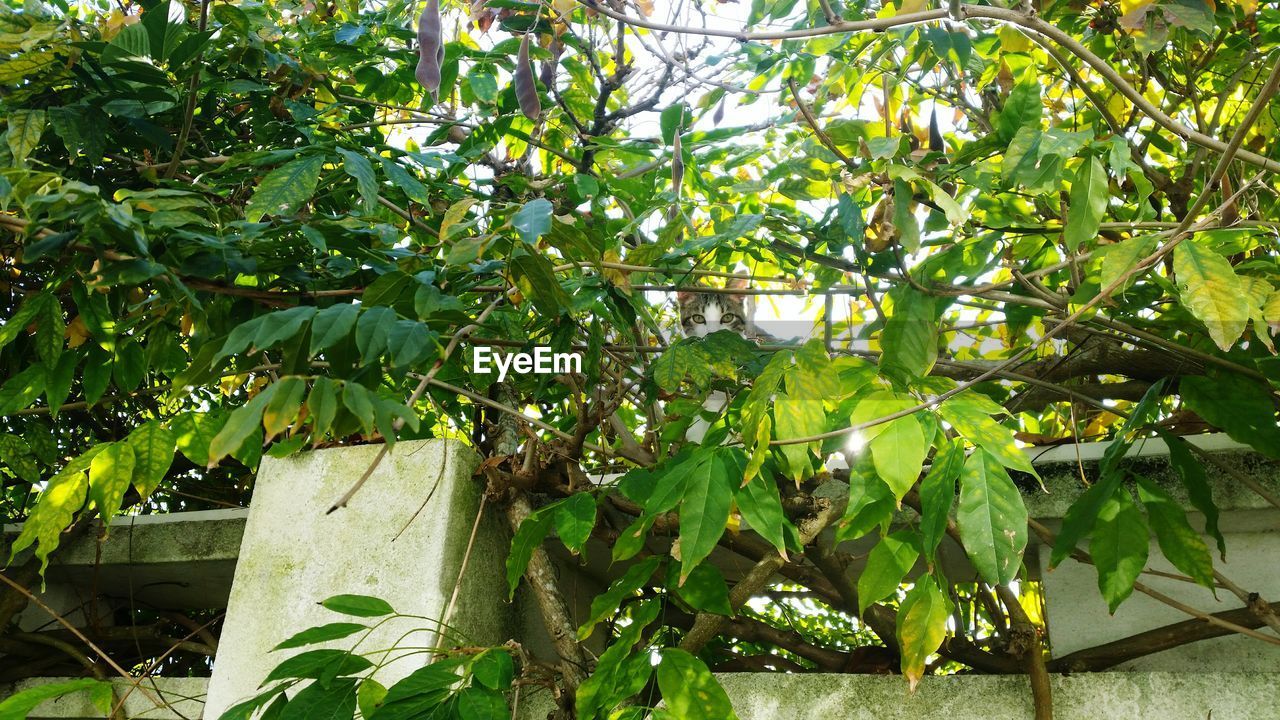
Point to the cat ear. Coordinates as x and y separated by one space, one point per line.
737 283
684 296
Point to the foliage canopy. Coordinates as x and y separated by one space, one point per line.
237 228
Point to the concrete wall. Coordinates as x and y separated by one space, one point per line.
1096 696
1077 615
182 698
402 538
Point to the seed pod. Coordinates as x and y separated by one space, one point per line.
548 74
430 49
526 86
677 166
719 114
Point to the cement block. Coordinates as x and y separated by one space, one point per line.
177 561
385 543
1078 617
182 699
1076 613
1115 696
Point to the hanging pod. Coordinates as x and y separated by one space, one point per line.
430 49
526 87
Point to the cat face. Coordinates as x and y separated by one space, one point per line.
704 313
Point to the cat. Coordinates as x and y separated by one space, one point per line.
702 313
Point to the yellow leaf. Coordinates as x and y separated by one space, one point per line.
620 278
564 8
906 7
1013 41
453 215
1212 291
77 333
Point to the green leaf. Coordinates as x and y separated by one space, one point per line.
910 338
358 605
413 189
130 366
798 417
871 505
887 566
631 540
536 278
1210 289
194 431
938 494
1021 109
877 405
243 422
282 409
607 602
1087 204
704 510
1118 258
528 537
373 329
689 690
31 307
706 591
481 703
1238 405
322 407
1191 472
153 446
22 389
387 289
332 325
369 697
323 701
575 518
25 128
1180 544
675 117
57 386
970 413
494 669
19 705
51 331
922 626
679 361
898 454
63 496
1119 547
532 220
280 326
245 710
321 633
620 672
761 506
284 190
410 342
110 474
316 664
358 167
992 519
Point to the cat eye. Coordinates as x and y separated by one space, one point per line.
697 319
728 318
